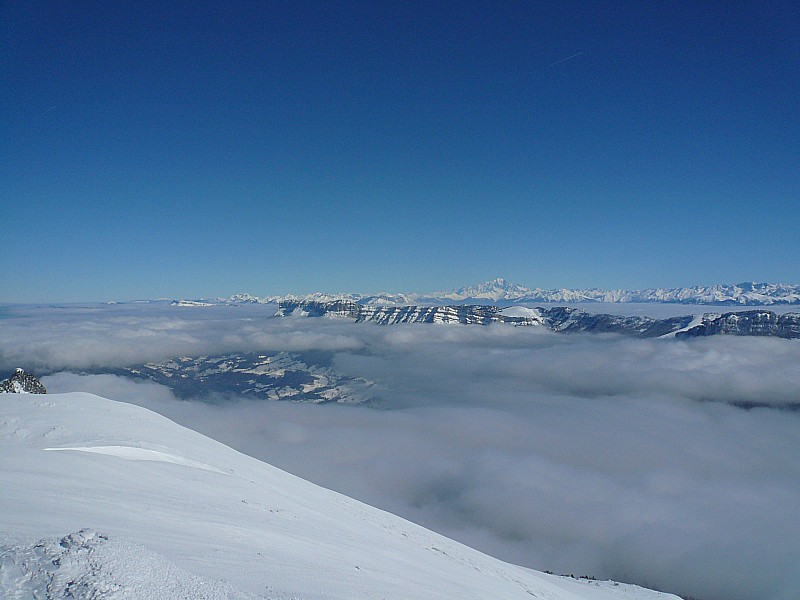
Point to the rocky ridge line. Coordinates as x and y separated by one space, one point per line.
559 319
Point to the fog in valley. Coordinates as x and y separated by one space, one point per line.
586 454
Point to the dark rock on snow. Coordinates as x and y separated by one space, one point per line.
22 383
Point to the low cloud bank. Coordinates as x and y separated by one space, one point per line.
48 339
580 454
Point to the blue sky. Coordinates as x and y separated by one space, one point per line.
199 149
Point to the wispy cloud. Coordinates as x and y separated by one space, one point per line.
565 59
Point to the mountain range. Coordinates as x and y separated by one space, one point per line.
501 292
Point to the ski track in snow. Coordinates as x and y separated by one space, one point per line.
133 453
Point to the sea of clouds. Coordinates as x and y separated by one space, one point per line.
585 454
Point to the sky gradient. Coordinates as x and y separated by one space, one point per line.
204 148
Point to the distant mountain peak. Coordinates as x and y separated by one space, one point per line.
496 289
498 283
241 298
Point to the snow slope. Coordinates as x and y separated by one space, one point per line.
87 564
161 503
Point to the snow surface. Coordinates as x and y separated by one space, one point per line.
696 321
87 564
132 453
521 311
172 505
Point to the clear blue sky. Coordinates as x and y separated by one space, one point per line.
203 148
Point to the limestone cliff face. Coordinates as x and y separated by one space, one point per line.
390 315
560 319
751 322
572 320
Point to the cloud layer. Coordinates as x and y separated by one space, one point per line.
580 454
46 339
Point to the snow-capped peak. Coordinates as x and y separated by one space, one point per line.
495 290
241 298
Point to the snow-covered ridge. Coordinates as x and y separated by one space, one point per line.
502 292
390 315
751 322
189 516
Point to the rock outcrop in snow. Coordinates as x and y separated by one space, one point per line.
22 383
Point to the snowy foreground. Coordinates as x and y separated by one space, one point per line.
101 499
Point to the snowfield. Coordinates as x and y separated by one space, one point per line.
101 499
86 564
